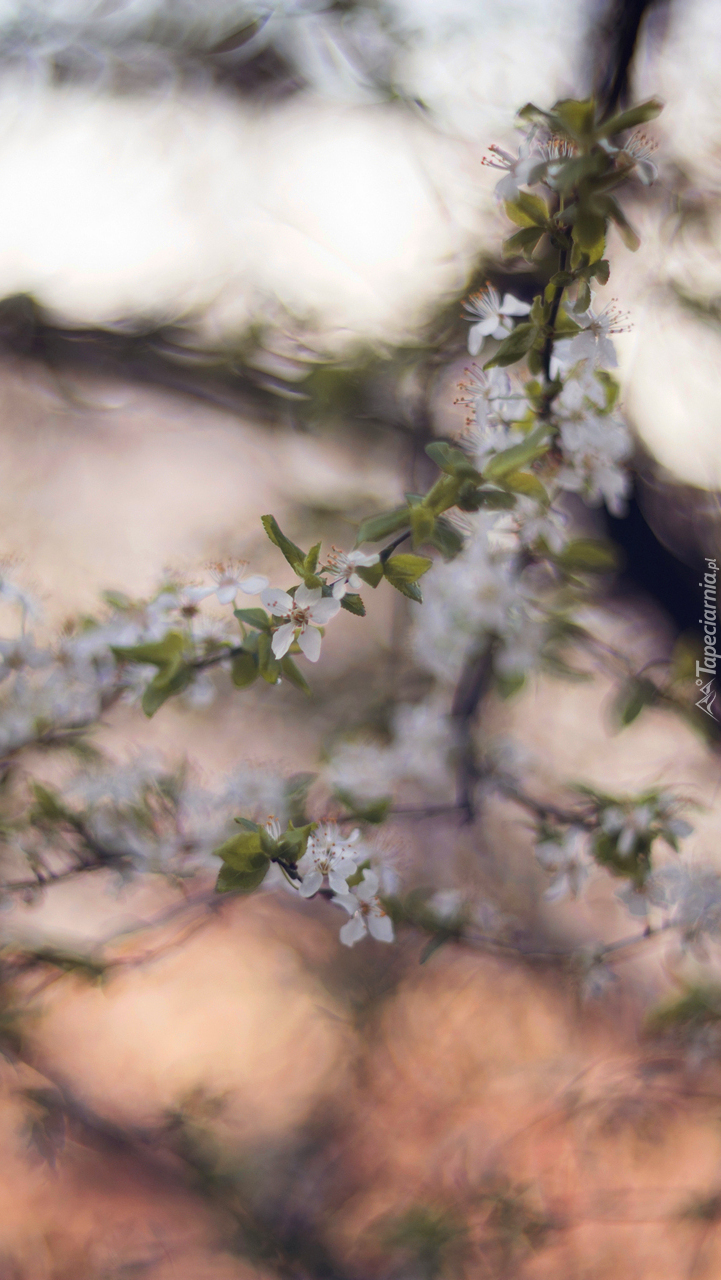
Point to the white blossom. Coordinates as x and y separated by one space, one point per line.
330 854
628 828
490 316
518 169
229 580
595 446
343 564
567 858
594 340
366 912
305 613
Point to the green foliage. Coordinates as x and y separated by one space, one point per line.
352 603
403 572
588 555
301 563
256 618
167 655
244 669
515 346
376 528
430 1237
511 460
635 694
373 811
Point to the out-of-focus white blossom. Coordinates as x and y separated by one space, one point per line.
568 860
366 912
229 580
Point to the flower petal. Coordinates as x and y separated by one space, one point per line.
339 589
475 339
309 641
381 927
254 584
369 888
513 306
348 901
324 610
307 596
353 931
337 881
311 884
283 639
277 602
194 594
227 593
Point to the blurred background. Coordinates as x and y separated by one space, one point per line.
234 242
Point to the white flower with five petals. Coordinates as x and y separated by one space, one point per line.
343 565
306 612
489 316
229 580
330 854
366 912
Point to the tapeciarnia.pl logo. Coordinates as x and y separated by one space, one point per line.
710 656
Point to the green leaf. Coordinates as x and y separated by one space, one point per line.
577 117
353 603
295 795
634 695
292 673
311 560
243 670
257 618
613 210
446 539
162 653
406 568
268 664
240 848
374 811
515 346
423 524
232 880
632 118
169 680
246 824
292 553
526 483
410 589
47 804
590 555
589 232
372 573
507 685
519 455
522 242
382 526
527 210
452 461
601 270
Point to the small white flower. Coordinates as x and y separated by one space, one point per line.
367 914
308 611
636 153
594 341
627 827
634 900
518 169
330 854
567 859
489 316
273 827
229 580
343 565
